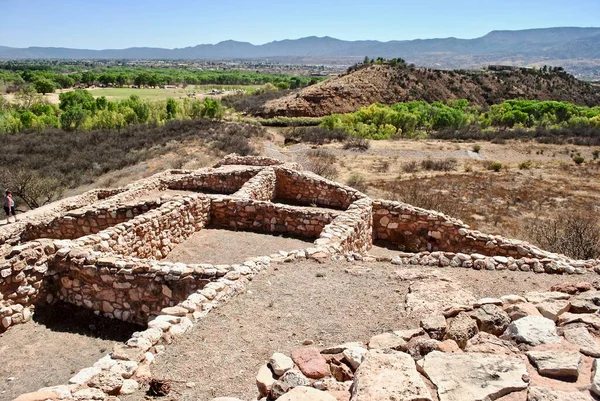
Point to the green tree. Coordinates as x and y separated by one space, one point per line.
73 117
44 85
171 109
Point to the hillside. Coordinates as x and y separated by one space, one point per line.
386 84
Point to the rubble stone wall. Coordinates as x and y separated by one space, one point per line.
22 274
414 229
351 231
306 188
268 217
221 181
260 187
154 234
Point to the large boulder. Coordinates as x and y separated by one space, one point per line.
390 375
474 377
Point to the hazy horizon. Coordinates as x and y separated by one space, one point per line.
113 24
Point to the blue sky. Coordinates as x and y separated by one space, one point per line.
100 24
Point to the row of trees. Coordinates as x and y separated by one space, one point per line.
80 110
48 80
410 119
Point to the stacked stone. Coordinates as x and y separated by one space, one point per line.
22 276
485 350
350 231
310 189
482 262
260 187
234 159
154 234
269 217
225 180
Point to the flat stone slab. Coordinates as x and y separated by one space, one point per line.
553 309
474 377
388 375
536 297
582 337
306 394
311 362
387 341
532 330
546 394
556 364
595 378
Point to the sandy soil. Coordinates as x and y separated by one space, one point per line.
54 346
225 247
307 301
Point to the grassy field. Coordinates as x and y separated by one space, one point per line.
198 91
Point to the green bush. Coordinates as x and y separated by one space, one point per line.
495 166
578 159
525 165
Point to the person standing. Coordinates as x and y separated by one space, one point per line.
9 206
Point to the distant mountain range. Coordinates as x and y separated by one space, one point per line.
524 46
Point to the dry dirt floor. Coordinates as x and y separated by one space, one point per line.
54 346
327 303
219 246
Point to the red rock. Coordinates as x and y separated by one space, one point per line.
41 395
340 395
311 362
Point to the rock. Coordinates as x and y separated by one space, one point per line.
449 346
225 399
107 381
338 349
587 302
581 336
418 347
474 377
491 319
294 378
278 389
264 380
512 299
407 335
532 330
126 353
341 372
538 297
89 394
354 356
280 363
125 368
387 341
85 375
590 319
310 362
546 394
571 288
595 378
461 329
40 395
306 394
553 309
556 364
387 376
489 344
435 325
521 310
130 386
487 301
340 395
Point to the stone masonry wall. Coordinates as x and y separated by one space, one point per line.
22 274
414 229
351 231
271 218
154 234
260 187
226 180
307 188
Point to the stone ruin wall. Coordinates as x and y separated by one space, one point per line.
226 182
260 187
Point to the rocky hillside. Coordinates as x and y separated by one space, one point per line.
386 84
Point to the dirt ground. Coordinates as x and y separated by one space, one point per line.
218 246
54 346
328 303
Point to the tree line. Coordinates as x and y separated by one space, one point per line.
414 119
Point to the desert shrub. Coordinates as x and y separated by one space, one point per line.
575 234
321 162
596 154
358 182
381 166
316 135
411 167
578 159
291 122
357 143
416 194
494 166
525 165
439 165
29 186
476 148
